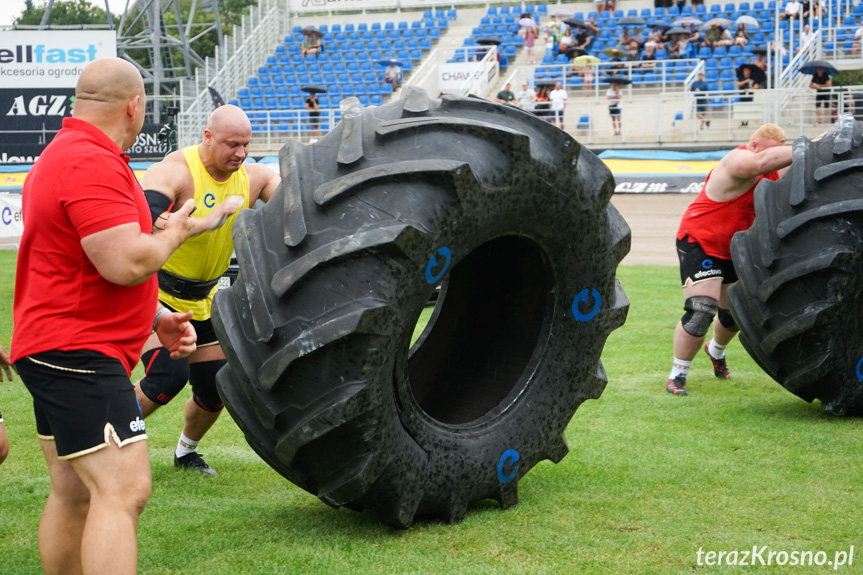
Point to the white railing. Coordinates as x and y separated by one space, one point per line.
482 75
236 59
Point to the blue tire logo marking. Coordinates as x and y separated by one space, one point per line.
707 264
859 365
511 457
209 200
583 297
446 254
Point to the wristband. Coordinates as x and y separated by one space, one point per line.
159 313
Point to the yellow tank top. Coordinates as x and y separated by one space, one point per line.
205 257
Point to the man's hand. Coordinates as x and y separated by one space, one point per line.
219 215
177 334
6 365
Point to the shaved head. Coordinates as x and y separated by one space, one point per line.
228 118
108 83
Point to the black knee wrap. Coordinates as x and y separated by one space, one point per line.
165 377
202 376
727 320
700 310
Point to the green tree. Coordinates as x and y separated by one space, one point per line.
63 12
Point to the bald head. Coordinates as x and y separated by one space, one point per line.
107 83
226 141
228 118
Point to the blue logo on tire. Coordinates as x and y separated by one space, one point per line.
584 297
446 254
509 459
707 264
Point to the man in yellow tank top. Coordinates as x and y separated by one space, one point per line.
214 174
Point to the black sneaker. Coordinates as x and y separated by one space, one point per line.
720 368
194 462
676 386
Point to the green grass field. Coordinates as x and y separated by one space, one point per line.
650 479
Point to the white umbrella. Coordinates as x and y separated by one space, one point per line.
527 22
748 21
687 20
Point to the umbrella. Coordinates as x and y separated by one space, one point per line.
389 61
527 22
757 74
759 50
546 82
687 20
561 14
217 98
574 22
616 52
617 80
575 51
809 67
311 31
748 21
632 21
677 30
716 22
486 40
585 60
314 89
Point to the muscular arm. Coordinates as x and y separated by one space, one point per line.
126 256
262 182
739 170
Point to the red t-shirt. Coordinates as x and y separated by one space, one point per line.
80 185
712 224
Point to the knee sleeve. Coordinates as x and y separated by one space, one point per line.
700 310
165 377
202 376
727 320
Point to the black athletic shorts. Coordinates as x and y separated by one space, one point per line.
82 400
822 99
203 328
696 266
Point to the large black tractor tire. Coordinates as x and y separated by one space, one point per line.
511 216
799 301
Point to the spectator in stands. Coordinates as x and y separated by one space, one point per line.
566 41
717 36
858 35
529 41
526 98
654 38
599 5
679 46
609 5
541 105
592 26
633 54
648 57
311 44
393 74
699 87
314 109
557 97
613 97
747 87
741 36
586 73
694 37
821 83
810 8
505 96
805 36
625 38
552 31
792 10
582 38
759 61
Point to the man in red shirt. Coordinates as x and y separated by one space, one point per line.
724 206
85 302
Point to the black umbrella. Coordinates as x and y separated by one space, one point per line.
809 67
546 82
217 98
632 21
617 80
575 51
314 89
759 50
757 74
311 31
574 22
487 40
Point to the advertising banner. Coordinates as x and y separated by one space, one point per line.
51 58
29 118
11 223
452 76
147 145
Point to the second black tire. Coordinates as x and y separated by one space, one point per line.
511 217
799 299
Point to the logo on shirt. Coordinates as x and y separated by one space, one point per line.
137 425
707 264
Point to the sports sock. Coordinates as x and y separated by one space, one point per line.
679 367
185 446
716 351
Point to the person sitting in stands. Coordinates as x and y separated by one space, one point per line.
741 37
792 10
393 74
311 45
